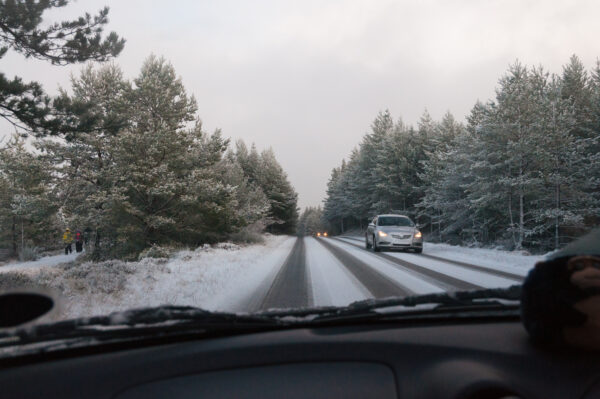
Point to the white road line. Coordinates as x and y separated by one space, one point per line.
506 262
332 284
471 276
412 281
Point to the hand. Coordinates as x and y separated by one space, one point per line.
586 275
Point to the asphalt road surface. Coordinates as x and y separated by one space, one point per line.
329 271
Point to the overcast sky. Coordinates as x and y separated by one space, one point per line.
308 77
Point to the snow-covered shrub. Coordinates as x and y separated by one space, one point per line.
251 234
228 246
203 248
156 251
107 277
14 279
247 237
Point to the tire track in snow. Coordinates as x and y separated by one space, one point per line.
511 276
378 284
246 295
332 283
499 273
444 280
291 287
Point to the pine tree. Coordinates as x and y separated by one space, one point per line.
23 30
27 205
576 89
84 162
563 202
148 174
283 213
440 177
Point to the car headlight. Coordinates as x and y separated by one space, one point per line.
382 233
418 234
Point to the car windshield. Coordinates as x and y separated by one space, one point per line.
394 221
242 156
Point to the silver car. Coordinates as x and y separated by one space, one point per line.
393 232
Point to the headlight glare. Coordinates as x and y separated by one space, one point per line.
418 234
382 233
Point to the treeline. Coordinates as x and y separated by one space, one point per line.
523 172
140 171
311 221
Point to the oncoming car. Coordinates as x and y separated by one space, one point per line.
393 232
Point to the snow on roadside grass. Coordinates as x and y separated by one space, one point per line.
51 260
511 261
209 277
517 262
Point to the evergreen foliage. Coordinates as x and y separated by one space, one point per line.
523 172
265 172
22 29
27 202
145 174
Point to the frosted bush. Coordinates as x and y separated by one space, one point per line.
156 251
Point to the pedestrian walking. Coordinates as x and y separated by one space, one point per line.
68 240
78 241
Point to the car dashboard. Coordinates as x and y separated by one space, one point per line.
459 359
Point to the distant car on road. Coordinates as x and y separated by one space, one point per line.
393 232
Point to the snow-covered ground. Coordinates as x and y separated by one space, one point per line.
46 261
236 278
414 282
510 261
516 262
332 283
218 278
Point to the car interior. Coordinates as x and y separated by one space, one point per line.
489 357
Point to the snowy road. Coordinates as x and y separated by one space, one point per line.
337 271
282 272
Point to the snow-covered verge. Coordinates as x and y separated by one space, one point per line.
513 261
516 261
45 261
217 277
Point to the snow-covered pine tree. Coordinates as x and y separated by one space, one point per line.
27 207
283 199
439 176
84 163
368 179
24 30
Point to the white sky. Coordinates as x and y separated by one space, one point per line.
308 77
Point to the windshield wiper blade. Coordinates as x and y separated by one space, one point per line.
172 320
491 299
136 323
455 298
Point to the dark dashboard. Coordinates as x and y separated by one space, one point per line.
386 360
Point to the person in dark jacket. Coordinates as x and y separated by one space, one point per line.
78 241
